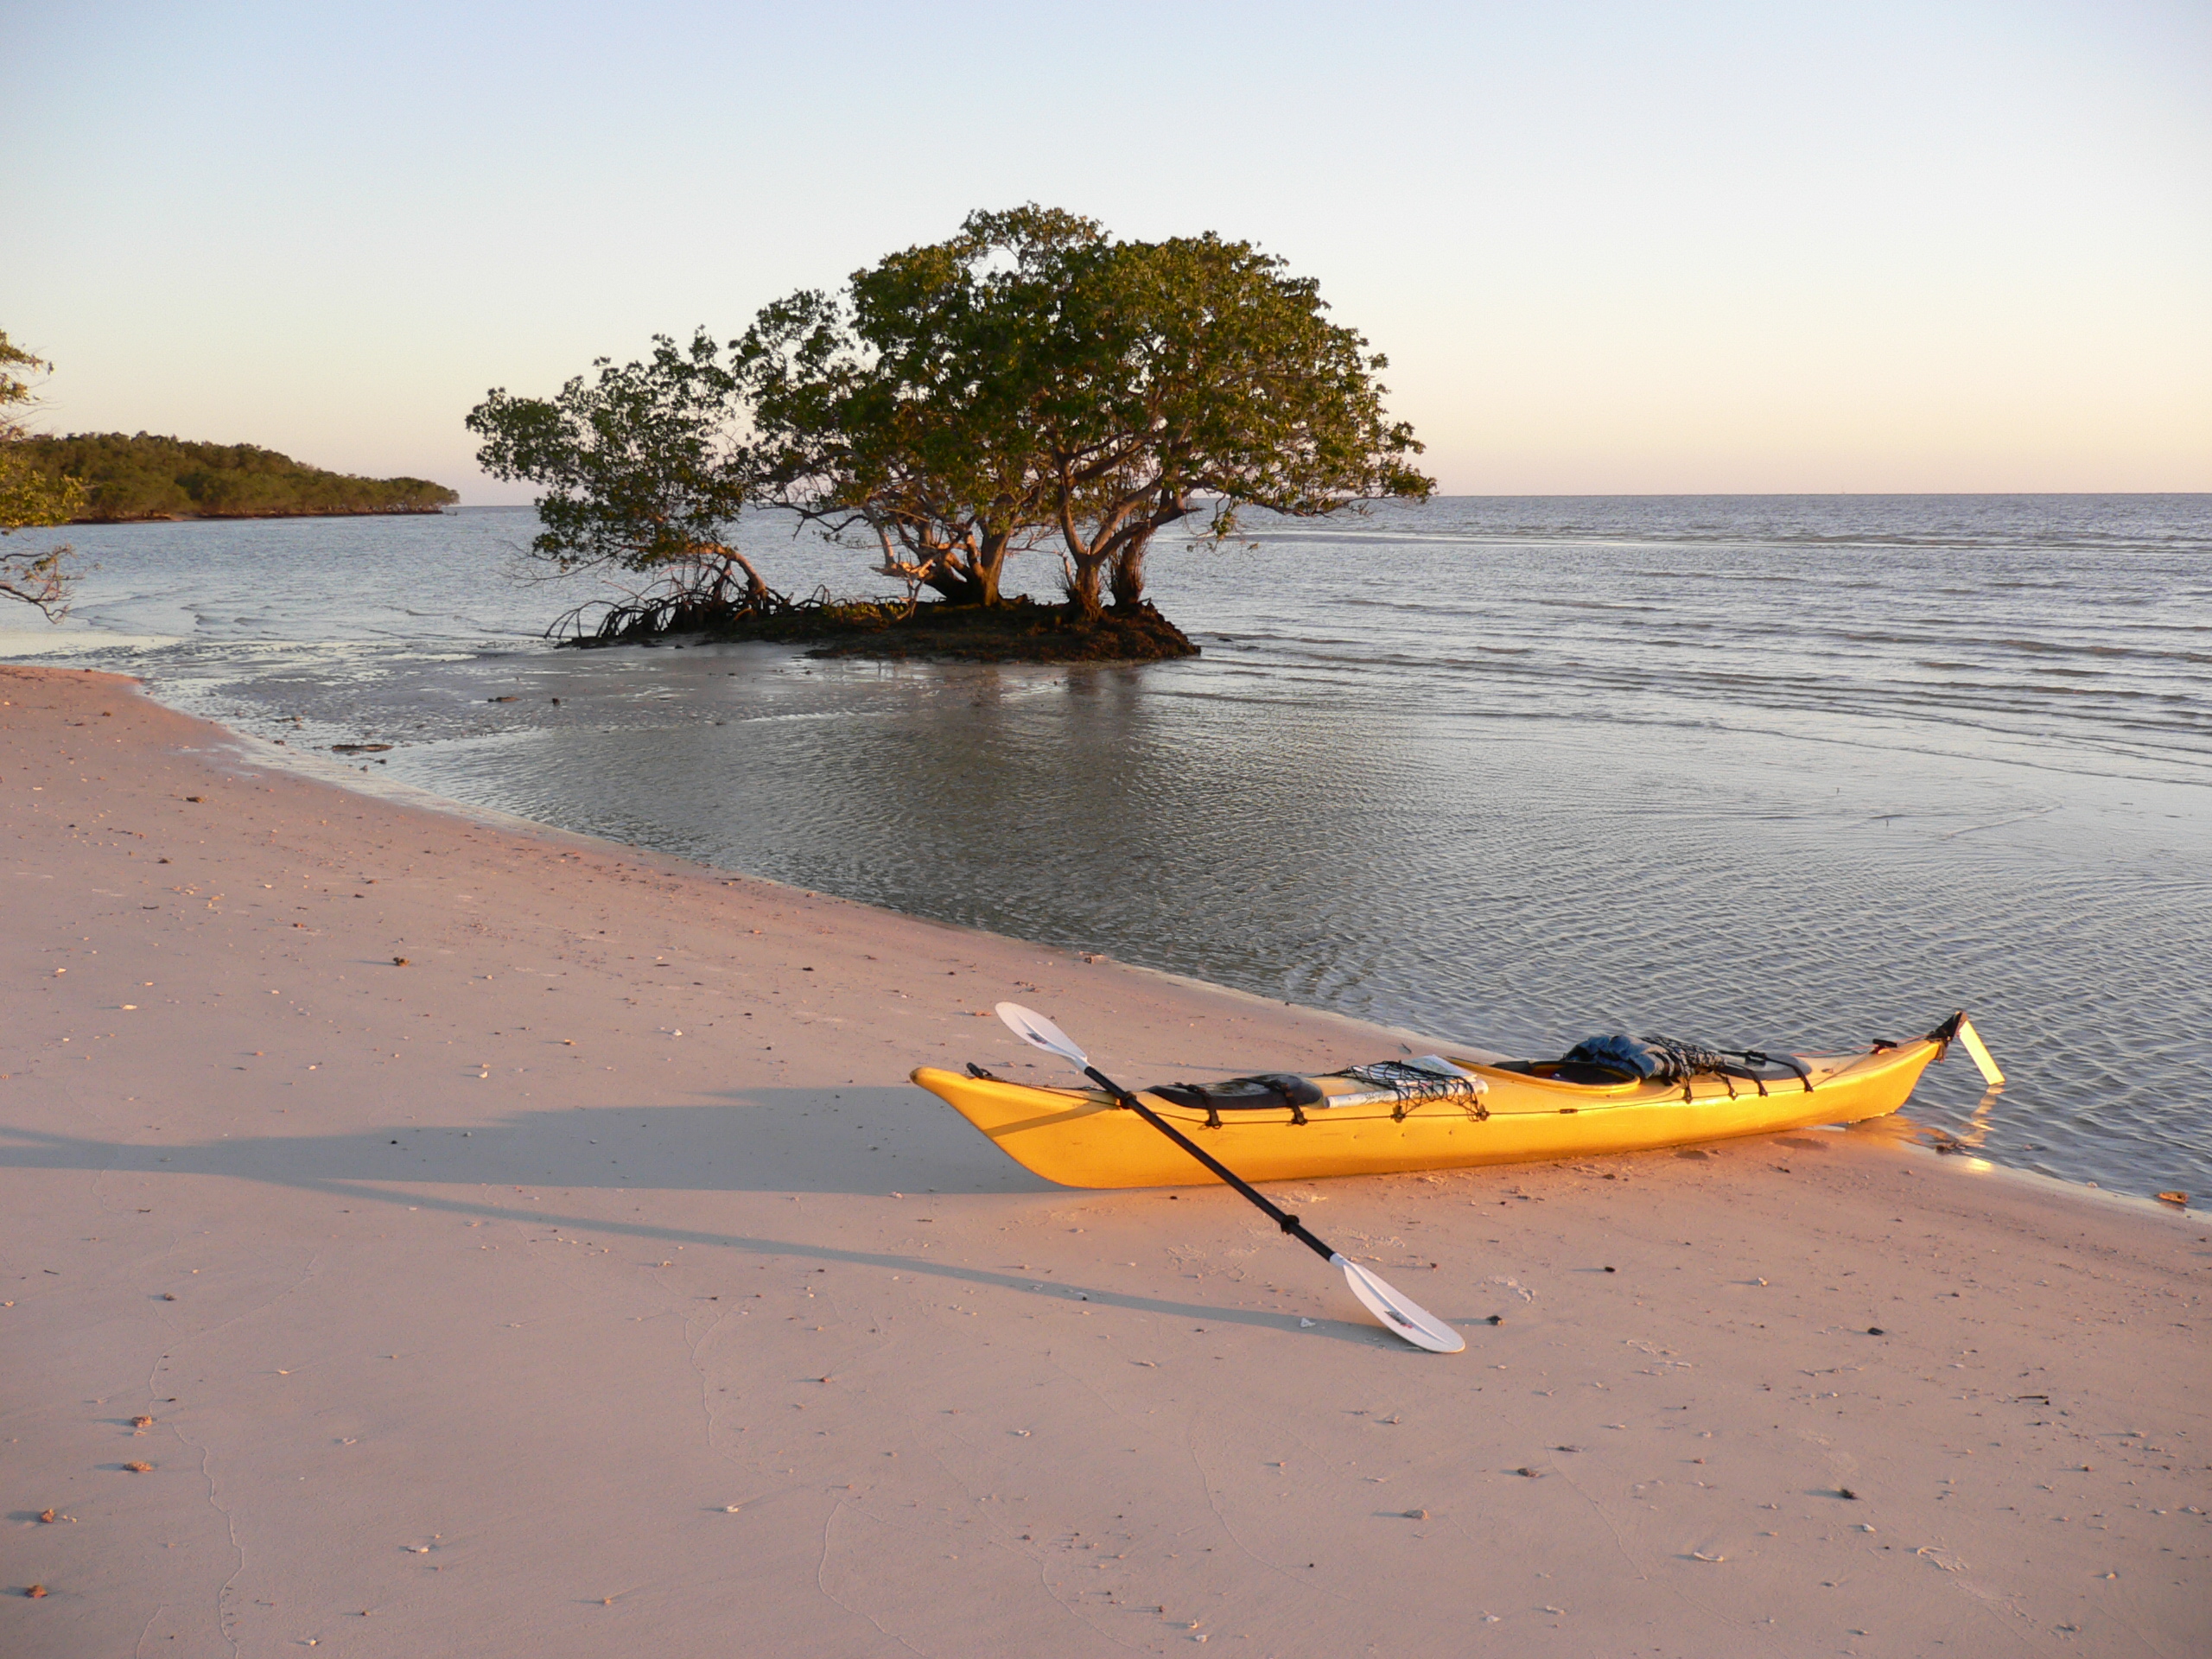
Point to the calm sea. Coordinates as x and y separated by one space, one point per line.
1786 772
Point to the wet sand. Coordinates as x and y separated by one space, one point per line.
595 1282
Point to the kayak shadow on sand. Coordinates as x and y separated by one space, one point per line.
765 1142
861 1141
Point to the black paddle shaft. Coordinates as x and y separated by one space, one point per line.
1288 1222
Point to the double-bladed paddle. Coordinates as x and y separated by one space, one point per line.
1400 1314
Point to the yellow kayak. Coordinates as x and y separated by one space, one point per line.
1442 1112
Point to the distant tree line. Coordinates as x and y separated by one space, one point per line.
1029 383
139 476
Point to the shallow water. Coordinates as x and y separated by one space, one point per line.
1756 771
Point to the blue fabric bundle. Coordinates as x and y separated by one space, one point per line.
1617 1053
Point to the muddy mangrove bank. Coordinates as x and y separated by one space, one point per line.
1017 631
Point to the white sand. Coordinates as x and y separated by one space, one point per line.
480 1312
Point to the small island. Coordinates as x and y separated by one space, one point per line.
1031 385
1017 629
134 478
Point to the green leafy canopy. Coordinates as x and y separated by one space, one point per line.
641 464
1028 382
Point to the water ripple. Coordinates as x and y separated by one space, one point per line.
1775 772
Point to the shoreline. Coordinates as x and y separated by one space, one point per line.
345 772
246 517
342 774
396 1260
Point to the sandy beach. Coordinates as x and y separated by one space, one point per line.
421 1236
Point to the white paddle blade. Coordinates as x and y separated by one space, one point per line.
1985 1062
1036 1030
1401 1316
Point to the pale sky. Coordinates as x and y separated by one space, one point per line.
1609 248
